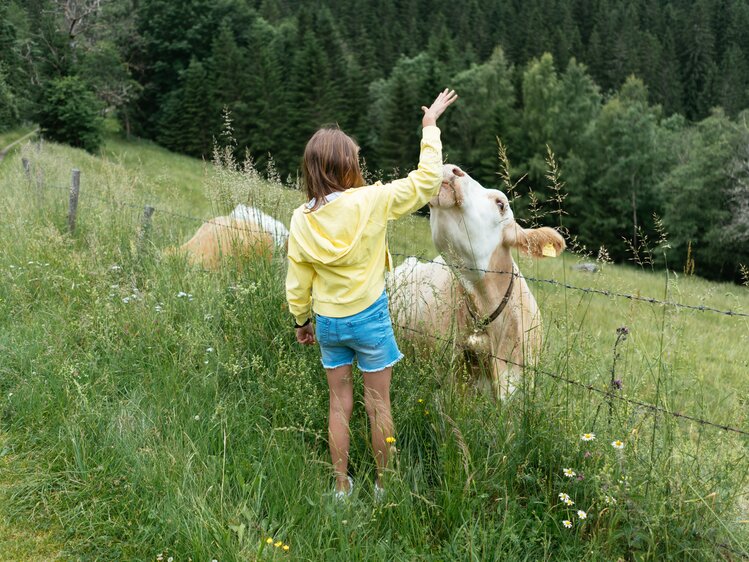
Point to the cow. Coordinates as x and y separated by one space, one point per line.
247 231
473 294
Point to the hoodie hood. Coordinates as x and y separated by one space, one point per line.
326 236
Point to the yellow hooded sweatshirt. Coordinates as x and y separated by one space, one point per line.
338 253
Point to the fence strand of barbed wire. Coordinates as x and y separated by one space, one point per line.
605 292
555 282
557 376
159 210
592 388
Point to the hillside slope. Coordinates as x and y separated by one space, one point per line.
159 409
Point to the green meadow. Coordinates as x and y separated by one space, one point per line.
152 410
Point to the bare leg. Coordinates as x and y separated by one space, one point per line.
377 404
341 389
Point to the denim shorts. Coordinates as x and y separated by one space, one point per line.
367 336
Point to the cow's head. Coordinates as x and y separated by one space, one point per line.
469 223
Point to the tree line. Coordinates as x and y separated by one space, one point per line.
641 102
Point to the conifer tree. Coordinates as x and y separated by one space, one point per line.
262 120
227 67
486 111
192 118
733 92
699 66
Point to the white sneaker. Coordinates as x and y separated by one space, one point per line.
379 493
342 495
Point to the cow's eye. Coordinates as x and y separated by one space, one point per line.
500 204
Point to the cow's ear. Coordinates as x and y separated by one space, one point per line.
536 242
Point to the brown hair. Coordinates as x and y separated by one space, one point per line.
330 163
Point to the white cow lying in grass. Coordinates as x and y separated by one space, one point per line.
246 232
480 301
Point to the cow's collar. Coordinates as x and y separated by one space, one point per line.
481 324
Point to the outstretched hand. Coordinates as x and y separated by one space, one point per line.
438 107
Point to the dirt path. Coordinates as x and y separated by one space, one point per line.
5 150
19 540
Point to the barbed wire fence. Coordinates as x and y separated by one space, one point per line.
148 211
609 393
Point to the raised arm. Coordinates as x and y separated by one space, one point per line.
409 194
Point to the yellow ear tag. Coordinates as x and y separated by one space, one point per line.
549 251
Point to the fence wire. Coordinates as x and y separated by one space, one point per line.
605 292
590 290
589 387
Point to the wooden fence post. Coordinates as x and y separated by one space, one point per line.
75 187
145 228
26 168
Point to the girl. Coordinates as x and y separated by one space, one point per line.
337 259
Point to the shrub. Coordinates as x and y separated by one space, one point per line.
69 113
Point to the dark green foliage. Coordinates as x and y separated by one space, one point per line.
171 35
395 116
191 115
488 97
534 73
69 113
706 197
8 106
620 197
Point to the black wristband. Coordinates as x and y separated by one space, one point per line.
297 326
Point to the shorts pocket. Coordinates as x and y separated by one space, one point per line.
372 334
322 330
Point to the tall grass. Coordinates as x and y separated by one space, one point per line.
154 409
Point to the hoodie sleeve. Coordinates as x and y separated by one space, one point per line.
413 192
298 283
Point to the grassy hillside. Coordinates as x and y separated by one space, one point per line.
138 422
